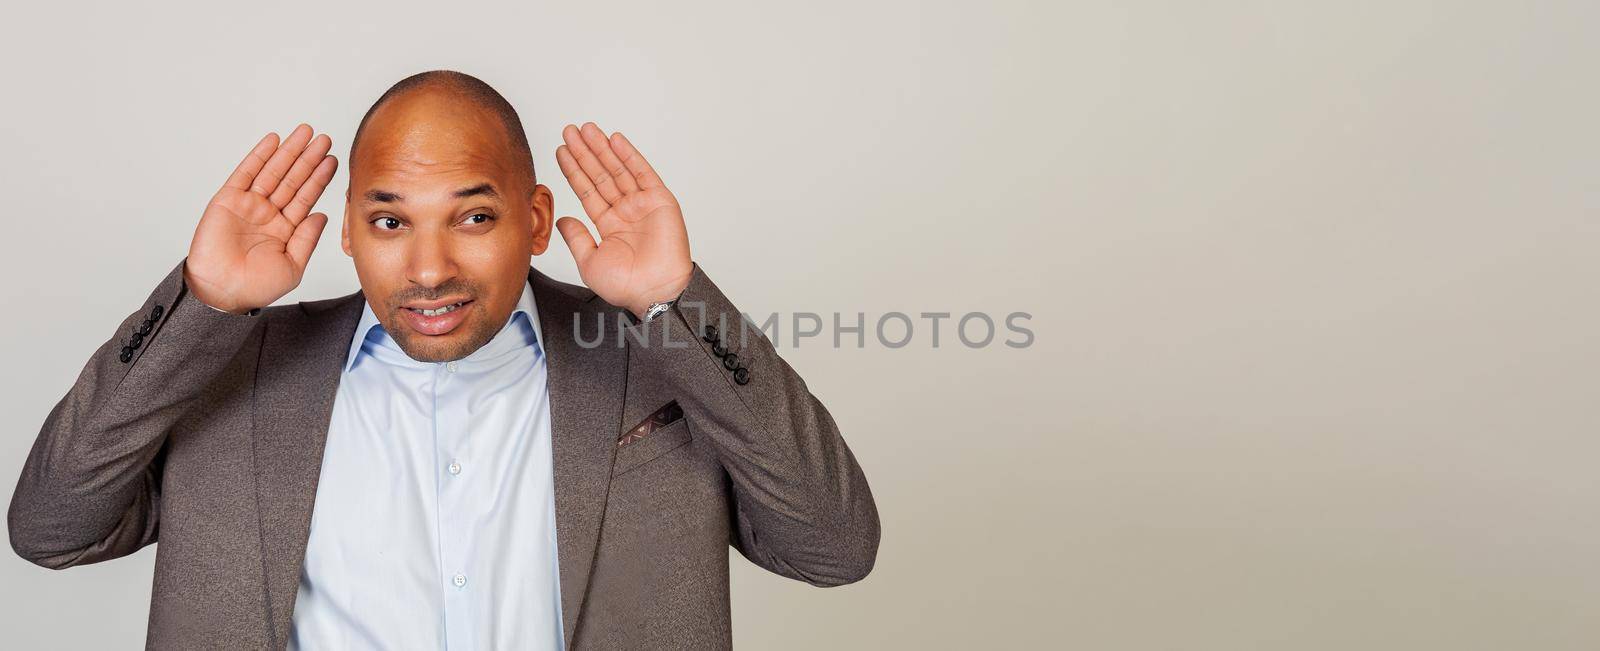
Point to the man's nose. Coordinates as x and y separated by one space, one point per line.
431 262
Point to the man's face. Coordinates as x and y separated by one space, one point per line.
440 223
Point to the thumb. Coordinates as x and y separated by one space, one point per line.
305 238
578 239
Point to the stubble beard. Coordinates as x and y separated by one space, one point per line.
479 333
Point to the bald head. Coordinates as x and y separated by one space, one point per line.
437 103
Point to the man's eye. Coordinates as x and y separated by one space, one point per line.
475 219
387 223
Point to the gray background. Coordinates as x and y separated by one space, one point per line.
1312 283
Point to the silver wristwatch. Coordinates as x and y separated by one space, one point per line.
655 310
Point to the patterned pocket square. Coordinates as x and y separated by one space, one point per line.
663 417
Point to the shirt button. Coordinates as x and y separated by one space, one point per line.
455 467
450 366
459 580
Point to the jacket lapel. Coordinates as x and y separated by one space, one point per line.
586 382
298 377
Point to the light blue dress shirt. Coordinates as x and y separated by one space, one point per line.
434 522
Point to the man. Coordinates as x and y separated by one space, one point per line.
463 454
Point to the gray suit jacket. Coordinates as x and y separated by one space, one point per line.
205 431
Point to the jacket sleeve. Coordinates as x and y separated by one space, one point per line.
90 489
802 508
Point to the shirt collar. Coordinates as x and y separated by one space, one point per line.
521 329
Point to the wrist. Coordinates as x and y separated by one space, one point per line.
201 297
665 293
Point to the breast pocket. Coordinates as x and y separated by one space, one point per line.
637 451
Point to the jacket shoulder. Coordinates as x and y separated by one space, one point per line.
543 284
328 304
304 313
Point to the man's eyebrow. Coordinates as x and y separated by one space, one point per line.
481 189
383 196
485 189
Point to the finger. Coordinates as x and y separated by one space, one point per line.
246 172
278 165
601 146
590 165
579 241
593 204
638 167
307 197
305 237
303 166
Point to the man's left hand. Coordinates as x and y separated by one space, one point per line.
643 254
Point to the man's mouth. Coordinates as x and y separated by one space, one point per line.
436 312
436 317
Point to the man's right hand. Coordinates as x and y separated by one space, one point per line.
257 234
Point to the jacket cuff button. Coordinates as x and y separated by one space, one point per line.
127 354
741 376
730 362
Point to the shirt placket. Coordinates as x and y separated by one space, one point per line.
453 471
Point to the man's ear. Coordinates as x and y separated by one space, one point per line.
543 217
344 229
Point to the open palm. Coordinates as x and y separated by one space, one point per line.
643 253
256 236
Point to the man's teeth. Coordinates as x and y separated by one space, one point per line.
437 311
